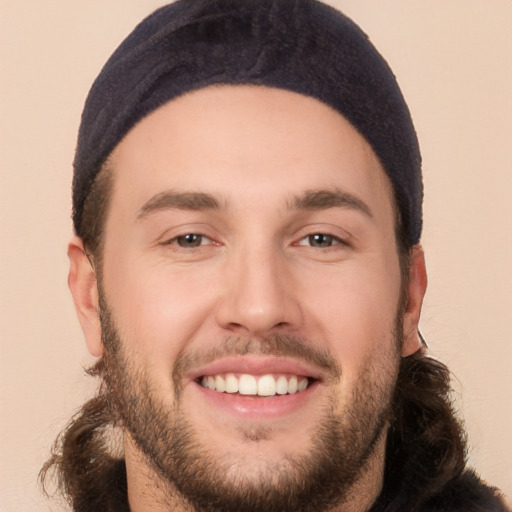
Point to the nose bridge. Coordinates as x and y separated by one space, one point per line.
259 296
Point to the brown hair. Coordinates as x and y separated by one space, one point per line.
95 212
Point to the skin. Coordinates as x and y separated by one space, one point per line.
256 151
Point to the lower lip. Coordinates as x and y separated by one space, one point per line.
256 407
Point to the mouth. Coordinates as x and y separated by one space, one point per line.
246 384
257 388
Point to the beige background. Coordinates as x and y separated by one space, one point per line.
453 60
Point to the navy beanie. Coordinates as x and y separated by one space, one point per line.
299 45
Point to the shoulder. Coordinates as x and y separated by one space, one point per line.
466 493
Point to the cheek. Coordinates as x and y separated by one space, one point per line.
354 311
158 309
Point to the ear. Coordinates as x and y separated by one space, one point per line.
84 288
416 291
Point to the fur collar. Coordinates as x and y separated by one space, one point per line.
466 493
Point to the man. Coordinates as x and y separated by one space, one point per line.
247 267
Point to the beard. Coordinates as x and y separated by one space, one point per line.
202 478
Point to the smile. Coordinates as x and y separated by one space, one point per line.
255 385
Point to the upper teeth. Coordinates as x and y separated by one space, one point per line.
265 385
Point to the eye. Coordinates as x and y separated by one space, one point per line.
320 240
190 240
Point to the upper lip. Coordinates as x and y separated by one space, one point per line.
257 366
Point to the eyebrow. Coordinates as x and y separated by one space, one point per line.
179 200
198 201
324 199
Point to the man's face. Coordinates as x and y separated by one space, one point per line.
250 245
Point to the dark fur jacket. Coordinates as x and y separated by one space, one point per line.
466 493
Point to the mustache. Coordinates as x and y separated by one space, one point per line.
278 345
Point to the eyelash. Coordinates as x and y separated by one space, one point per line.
312 238
331 239
176 240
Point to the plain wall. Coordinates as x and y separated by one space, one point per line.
453 61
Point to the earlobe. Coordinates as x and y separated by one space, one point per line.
84 288
416 292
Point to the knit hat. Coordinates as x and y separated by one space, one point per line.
298 45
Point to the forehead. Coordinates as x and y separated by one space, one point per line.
236 141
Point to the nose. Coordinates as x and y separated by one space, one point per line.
260 296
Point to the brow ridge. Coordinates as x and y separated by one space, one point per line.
316 199
180 200
322 199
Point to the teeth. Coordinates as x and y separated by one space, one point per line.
302 385
247 385
266 385
282 385
292 385
220 383
231 383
